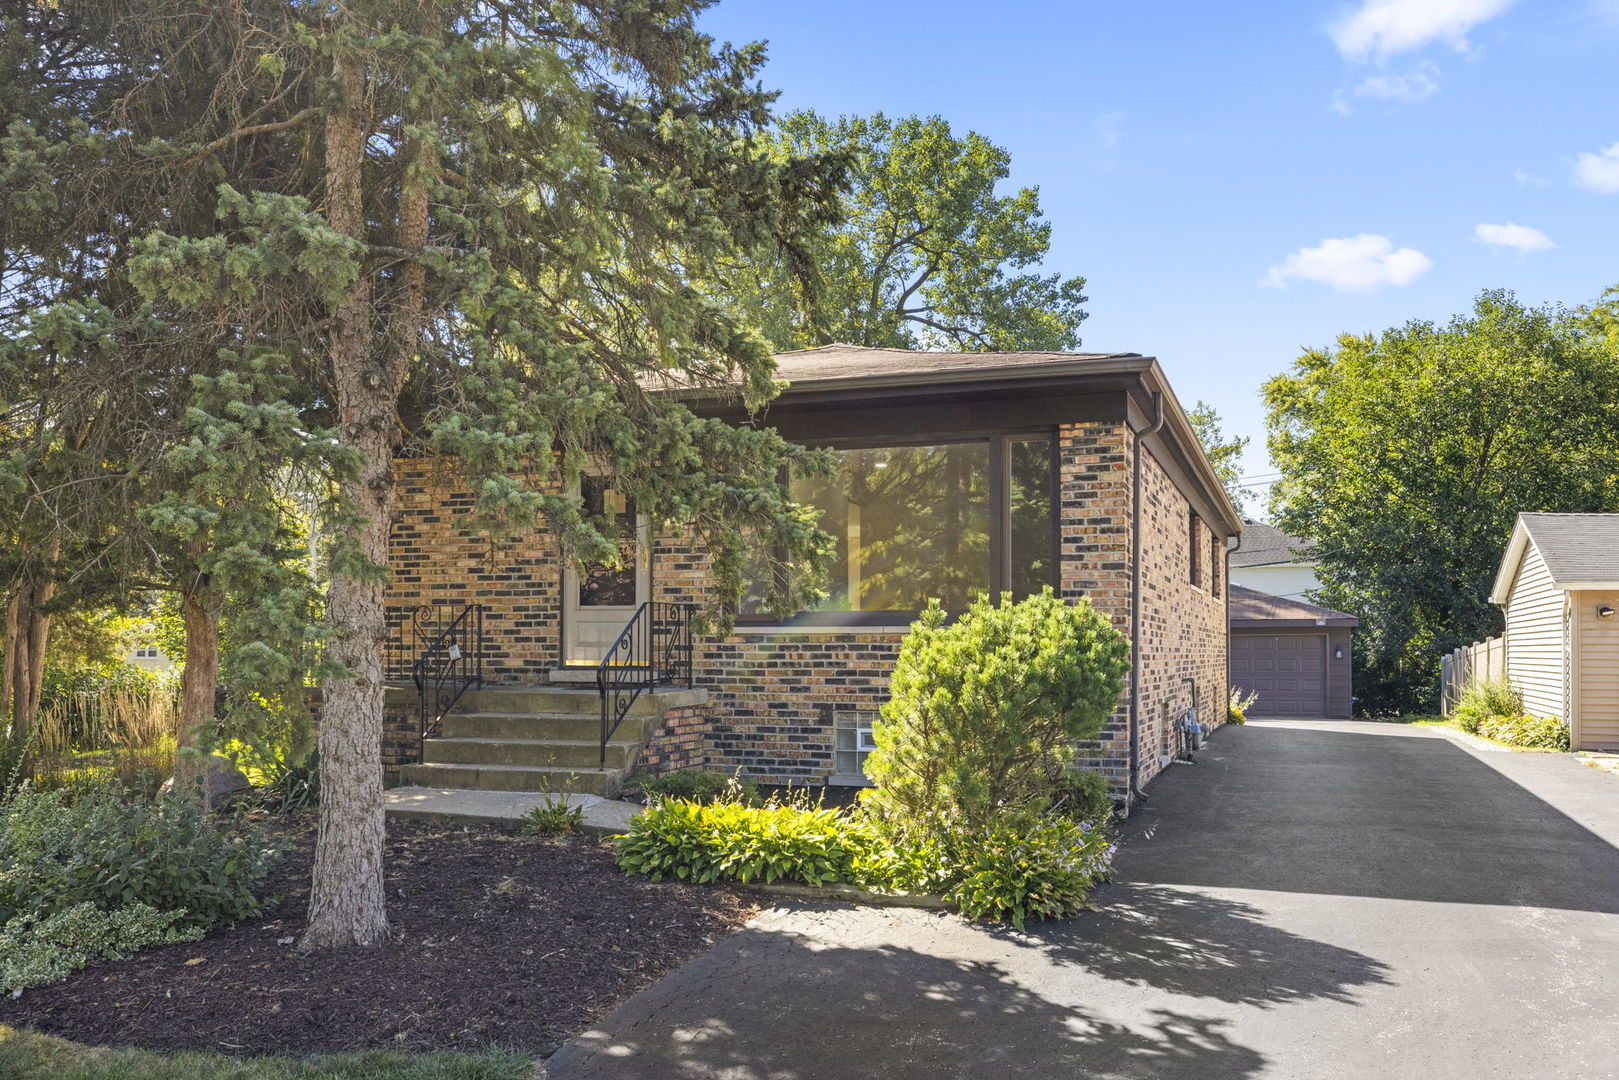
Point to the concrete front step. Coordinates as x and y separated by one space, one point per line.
489 725
602 817
580 702
475 777
558 753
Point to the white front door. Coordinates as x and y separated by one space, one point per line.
598 601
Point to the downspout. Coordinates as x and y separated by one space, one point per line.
1134 792
1233 544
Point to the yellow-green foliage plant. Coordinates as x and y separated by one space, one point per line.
1485 700
983 712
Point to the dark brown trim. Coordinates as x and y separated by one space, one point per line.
944 416
1000 516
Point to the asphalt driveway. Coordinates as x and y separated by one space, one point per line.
1311 899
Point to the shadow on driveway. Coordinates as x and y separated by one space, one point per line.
772 1004
1295 904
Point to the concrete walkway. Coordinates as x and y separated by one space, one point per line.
1311 899
602 817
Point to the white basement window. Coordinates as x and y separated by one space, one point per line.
854 743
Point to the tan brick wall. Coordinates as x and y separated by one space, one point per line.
775 699
436 561
1095 492
1183 626
680 742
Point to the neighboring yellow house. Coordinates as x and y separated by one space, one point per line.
1559 587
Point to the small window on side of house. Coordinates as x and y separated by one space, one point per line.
854 743
148 653
1214 563
1193 548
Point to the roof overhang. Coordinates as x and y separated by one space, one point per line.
1507 572
1175 446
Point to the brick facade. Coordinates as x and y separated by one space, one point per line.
776 697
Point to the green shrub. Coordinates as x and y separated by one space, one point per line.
1238 704
1485 699
1016 871
696 785
982 714
1538 732
1013 871
35 950
554 817
730 841
16 752
110 849
1083 796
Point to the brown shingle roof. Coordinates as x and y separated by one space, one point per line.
1252 607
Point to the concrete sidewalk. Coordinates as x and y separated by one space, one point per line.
1311 899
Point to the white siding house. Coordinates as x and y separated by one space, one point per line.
1558 585
1271 561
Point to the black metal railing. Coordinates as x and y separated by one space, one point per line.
654 649
446 643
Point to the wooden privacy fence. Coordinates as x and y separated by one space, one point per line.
1461 668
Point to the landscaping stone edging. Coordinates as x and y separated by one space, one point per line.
850 893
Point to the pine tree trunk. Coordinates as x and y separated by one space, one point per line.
22 671
199 680
346 905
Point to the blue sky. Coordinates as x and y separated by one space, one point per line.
1238 181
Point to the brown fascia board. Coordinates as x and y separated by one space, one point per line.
1176 446
1341 622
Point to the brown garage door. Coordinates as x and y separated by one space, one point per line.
1287 671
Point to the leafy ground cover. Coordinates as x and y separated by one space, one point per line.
27 1055
1480 733
499 940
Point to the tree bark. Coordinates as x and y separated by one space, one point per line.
347 904
199 680
28 631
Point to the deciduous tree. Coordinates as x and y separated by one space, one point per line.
1407 455
928 253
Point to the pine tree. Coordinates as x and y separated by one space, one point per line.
475 230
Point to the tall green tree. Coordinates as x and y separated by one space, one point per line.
1407 455
468 229
927 253
1224 454
149 440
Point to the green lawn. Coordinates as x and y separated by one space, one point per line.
25 1055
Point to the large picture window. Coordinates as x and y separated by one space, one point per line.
950 520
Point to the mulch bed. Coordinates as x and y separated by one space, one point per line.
499 939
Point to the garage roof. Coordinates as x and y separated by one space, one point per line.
1581 551
1251 608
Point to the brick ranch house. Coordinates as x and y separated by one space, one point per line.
960 473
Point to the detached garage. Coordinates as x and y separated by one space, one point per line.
1293 655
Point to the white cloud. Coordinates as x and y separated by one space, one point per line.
1378 29
1409 88
1599 171
1524 178
1352 264
1518 237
